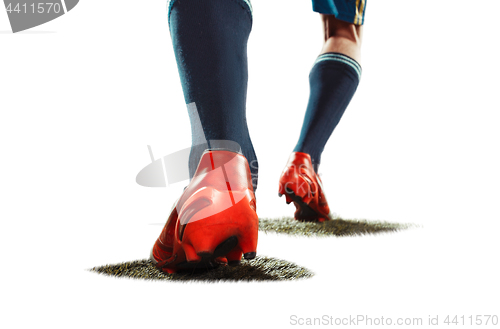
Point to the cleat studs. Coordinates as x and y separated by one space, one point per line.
250 255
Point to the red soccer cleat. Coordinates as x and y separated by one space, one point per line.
302 186
214 221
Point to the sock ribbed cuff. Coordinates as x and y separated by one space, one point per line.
338 57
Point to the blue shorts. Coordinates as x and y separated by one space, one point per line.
351 11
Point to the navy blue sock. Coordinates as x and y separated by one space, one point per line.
333 80
210 44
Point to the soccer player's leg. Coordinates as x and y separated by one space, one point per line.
215 218
333 81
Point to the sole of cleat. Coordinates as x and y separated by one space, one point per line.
208 260
225 247
306 213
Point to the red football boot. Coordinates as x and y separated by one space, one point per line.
215 218
302 186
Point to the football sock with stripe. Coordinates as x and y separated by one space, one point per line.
333 81
210 44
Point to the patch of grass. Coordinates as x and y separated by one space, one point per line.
335 227
259 269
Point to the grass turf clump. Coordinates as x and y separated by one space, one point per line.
336 227
258 269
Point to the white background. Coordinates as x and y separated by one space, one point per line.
82 96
